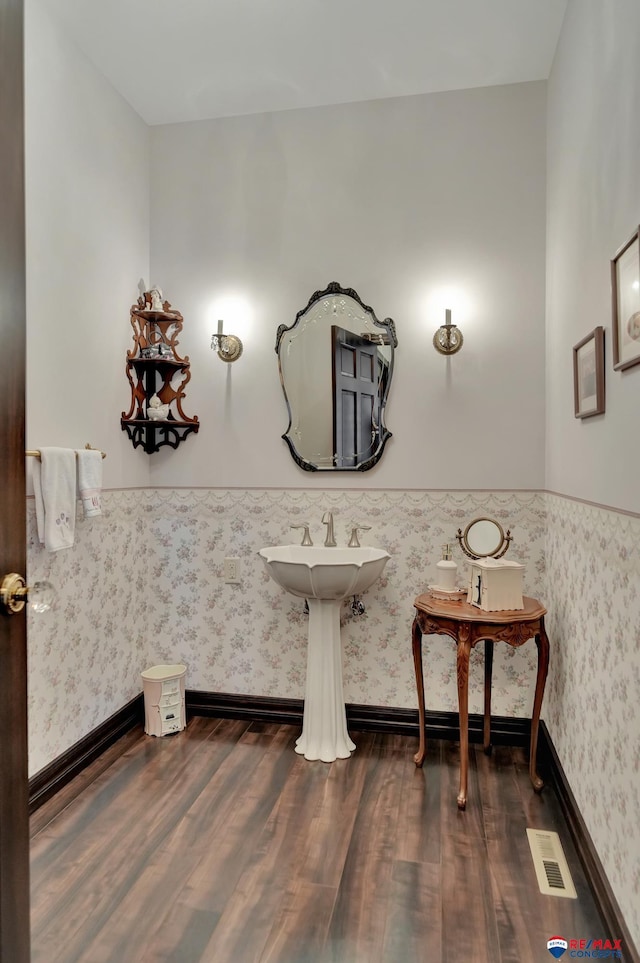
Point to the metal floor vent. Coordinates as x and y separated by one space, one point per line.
552 871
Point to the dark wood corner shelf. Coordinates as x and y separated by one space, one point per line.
151 436
151 367
144 363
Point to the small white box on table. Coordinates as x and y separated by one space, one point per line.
495 585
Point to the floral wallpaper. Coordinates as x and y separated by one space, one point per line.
592 702
251 638
85 655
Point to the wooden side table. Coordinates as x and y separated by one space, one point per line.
468 625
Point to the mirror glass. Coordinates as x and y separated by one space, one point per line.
336 363
484 537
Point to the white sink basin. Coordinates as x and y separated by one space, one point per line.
324 576
315 572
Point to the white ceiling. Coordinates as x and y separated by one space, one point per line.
179 60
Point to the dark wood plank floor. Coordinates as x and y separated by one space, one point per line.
221 845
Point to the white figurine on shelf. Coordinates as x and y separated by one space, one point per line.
157 303
156 411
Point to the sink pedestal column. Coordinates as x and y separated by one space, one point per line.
324 728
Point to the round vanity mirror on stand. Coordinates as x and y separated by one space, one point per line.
484 538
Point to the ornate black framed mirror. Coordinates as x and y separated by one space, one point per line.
336 364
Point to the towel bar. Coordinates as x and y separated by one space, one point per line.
35 453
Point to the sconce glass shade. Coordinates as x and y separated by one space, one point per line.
228 346
448 338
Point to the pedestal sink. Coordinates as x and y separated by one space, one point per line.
324 576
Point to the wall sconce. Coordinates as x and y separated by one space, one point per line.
448 338
228 346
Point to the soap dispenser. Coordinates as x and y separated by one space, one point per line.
447 571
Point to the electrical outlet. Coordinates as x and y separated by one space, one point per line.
232 571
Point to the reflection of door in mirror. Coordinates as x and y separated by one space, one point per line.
356 397
336 364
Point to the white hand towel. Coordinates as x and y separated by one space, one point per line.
54 483
90 481
37 492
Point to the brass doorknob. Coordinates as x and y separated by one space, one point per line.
14 594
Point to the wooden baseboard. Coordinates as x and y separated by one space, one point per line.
606 902
440 725
58 773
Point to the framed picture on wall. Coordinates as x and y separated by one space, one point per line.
625 303
588 375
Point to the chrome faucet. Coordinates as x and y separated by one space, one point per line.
306 538
330 540
354 541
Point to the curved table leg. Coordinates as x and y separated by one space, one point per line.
416 639
488 671
464 648
542 643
